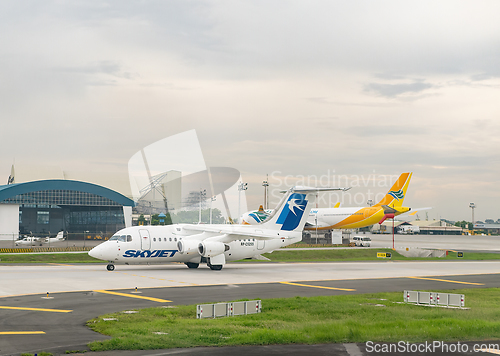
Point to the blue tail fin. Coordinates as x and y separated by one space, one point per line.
292 212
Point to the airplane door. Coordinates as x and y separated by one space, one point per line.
260 244
145 240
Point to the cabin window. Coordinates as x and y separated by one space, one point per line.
154 239
170 239
165 239
175 238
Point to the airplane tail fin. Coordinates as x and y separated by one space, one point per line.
396 195
293 210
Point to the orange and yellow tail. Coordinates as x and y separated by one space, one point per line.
396 194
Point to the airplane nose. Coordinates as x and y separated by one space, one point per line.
96 252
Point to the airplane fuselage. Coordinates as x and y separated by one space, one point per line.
160 244
29 241
344 218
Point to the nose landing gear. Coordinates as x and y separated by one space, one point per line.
110 267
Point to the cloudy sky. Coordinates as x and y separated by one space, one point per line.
365 89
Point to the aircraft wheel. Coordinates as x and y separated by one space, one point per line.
215 267
110 267
192 264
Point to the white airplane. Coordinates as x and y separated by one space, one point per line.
31 240
213 244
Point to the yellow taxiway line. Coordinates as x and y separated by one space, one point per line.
134 296
312 286
447 280
38 309
21 332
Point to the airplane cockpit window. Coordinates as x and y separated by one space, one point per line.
122 238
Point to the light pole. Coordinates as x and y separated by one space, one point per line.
203 193
265 184
370 202
472 206
211 201
241 186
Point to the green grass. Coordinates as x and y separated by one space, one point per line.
363 255
48 258
299 320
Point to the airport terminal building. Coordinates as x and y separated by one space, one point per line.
45 207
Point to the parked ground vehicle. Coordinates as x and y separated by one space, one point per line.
362 241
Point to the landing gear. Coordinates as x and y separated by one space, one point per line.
110 267
214 267
192 264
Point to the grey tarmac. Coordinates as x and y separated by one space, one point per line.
67 331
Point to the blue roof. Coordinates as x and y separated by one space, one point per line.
11 190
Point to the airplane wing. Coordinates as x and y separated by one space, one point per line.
231 232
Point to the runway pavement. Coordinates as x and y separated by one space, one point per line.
29 279
80 292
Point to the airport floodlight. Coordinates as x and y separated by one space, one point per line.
472 206
265 184
241 186
212 199
370 202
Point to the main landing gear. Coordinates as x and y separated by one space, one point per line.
192 264
214 267
110 267
204 260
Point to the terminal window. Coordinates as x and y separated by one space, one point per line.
42 217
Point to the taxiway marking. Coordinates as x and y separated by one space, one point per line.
21 332
447 280
313 286
38 309
133 296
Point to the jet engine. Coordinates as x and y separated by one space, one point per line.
188 247
211 248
